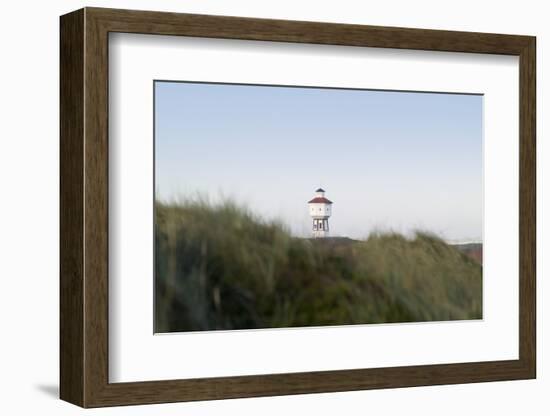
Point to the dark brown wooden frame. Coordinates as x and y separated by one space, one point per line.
84 210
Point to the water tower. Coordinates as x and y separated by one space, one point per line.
320 209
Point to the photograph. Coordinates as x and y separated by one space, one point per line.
275 204
284 206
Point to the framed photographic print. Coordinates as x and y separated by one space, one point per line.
255 207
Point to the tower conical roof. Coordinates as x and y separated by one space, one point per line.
320 200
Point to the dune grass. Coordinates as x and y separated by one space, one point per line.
218 266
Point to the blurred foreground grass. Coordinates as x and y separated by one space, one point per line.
220 267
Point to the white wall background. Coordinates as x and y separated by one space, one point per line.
29 210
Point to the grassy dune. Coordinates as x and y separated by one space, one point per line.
220 267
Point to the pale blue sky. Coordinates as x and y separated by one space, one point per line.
388 160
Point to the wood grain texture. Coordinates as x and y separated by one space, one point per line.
71 213
96 208
84 207
162 23
527 208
